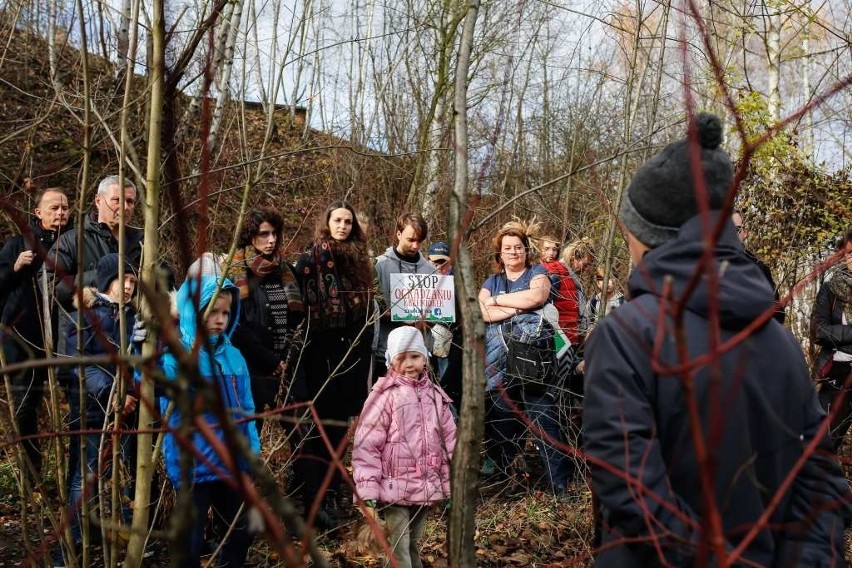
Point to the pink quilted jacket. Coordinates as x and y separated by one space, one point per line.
404 442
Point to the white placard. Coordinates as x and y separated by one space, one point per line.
422 297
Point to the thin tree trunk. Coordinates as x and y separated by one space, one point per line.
315 85
51 46
773 60
465 469
257 68
433 122
307 15
635 80
808 137
126 58
123 36
433 166
55 413
223 65
86 135
144 463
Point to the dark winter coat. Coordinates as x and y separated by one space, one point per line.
756 407
779 314
100 334
22 310
97 241
337 358
252 337
827 326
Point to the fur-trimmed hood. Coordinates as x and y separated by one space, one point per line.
91 298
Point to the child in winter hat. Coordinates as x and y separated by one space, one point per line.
99 335
402 339
403 446
108 271
663 194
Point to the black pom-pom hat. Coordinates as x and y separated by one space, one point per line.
663 194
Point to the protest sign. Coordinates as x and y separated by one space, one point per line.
422 297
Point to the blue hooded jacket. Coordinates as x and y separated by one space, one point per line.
219 363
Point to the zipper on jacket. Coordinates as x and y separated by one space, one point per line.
236 403
424 433
236 395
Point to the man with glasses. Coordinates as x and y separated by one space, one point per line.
742 233
439 256
100 237
447 338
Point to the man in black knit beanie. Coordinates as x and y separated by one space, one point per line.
697 408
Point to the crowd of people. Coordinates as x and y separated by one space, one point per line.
631 392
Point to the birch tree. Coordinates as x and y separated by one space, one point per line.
223 64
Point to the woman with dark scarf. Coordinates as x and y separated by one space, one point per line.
831 327
271 307
336 277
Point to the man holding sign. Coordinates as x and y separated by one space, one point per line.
399 260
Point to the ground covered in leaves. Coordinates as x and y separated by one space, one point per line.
517 525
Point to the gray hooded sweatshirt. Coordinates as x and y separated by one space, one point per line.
389 263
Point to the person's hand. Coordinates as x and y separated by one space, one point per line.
140 331
129 404
24 259
280 369
369 509
581 367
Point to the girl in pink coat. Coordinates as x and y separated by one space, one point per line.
403 445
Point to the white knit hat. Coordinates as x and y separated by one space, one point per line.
208 264
402 339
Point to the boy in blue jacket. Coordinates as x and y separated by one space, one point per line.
206 330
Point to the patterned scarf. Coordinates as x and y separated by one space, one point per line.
248 261
840 284
333 286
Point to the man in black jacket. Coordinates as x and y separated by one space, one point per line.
742 233
22 312
100 237
831 329
702 428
